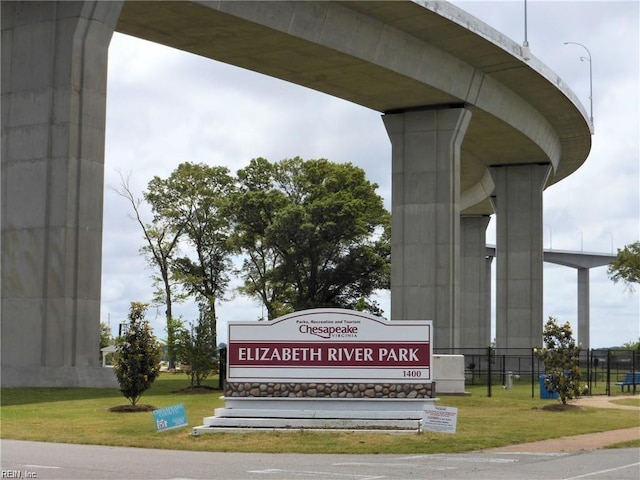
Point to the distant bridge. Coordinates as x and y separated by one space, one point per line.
583 262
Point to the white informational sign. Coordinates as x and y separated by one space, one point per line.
330 345
440 419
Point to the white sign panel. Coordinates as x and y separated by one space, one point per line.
440 419
330 345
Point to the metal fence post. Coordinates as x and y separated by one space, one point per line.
222 368
489 372
608 386
533 356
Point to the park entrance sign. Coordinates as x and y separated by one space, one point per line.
330 345
326 368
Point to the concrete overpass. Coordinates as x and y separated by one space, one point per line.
582 261
477 127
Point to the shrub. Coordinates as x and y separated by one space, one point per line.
138 355
196 347
561 358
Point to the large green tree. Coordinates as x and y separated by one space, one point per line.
255 207
315 234
161 245
194 200
626 266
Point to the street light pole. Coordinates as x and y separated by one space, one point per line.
526 52
526 40
582 59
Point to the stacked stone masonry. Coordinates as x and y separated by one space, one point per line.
331 390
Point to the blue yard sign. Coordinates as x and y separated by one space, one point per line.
170 417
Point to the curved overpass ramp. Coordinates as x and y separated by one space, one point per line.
389 57
475 127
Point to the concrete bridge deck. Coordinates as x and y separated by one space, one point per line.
393 56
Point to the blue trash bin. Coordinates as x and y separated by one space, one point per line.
544 393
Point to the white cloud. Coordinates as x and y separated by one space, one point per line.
167 107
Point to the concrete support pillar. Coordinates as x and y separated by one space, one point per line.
54 74
519 292
583 307
425 232
475 291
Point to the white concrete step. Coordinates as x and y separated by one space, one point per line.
343 414
211 423
278 413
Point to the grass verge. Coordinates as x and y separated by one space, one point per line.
81 415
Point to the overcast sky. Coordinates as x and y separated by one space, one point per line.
166 107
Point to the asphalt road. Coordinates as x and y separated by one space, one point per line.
48 461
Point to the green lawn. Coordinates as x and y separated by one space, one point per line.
81 415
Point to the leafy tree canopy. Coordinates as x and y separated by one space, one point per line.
194 200
315 234
308 234
161 244
626 266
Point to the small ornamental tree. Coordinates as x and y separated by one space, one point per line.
561 358
138 355
195 347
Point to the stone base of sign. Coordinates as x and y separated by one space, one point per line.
331 390
287 413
